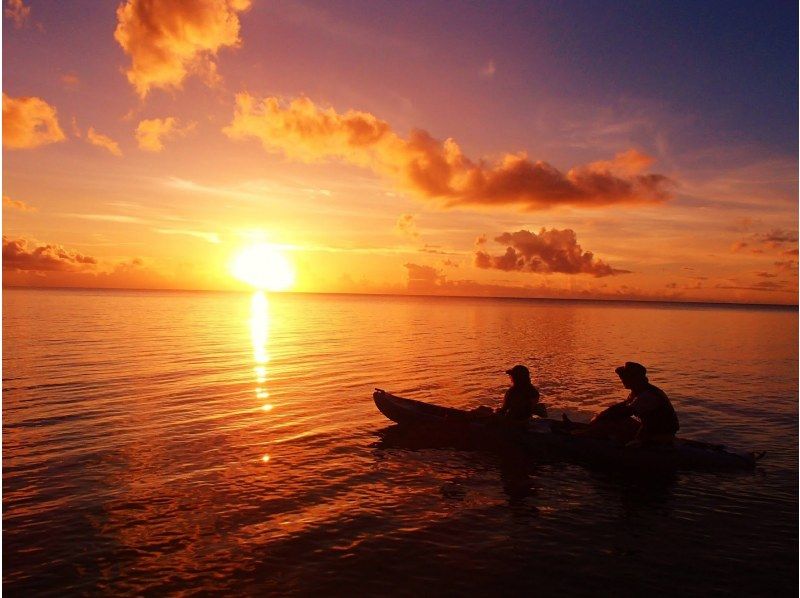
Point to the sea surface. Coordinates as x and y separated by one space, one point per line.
167 443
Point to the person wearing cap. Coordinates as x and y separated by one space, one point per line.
521 400
657 422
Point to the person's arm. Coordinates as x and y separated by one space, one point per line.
641 406
618 411
504 407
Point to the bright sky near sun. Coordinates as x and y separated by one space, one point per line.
532 149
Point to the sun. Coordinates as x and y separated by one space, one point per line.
264 267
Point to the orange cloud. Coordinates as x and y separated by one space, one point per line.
150 133
438 169
407 227
168 40
103 141
29 122
16 204
548 252
70 81
19 256
17 12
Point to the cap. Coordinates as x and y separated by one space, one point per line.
631 368
518 370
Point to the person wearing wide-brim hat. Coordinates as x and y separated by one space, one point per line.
521 400
645 417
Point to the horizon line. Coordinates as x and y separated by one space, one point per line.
793 306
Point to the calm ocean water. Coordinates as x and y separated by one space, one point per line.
181 443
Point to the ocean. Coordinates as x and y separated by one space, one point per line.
186 443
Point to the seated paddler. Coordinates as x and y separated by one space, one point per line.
645 417
521 400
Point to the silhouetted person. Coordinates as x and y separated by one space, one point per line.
645 417
522 398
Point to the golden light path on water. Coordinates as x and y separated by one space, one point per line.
259 331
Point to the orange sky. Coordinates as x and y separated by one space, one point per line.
145 144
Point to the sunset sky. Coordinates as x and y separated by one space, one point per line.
529 149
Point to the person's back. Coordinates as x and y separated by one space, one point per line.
654 409
521 398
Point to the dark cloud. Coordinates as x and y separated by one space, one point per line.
436 169
19 256
775 239
778 236
550 251
423 277
790 265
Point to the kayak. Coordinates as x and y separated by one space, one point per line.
547 435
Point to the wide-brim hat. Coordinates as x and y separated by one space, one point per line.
518 370
631 369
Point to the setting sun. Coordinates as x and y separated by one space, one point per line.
264 267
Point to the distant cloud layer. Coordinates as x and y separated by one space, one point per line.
548 252
151 133
438 169
103 141
20 255
29 122
169 40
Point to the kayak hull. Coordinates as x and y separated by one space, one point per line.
543 436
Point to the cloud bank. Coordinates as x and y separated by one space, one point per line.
438 169
29 122
168 40
550 251
22 255
103 141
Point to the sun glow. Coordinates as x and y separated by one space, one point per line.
264 267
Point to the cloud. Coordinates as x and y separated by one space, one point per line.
422 277
778 236
103 141
107 218
70 81
407 226
29 122
436 169
17 12
548 252
767 285
169 40
775 239
786 265
16 204
23 255
489 70
206 236
151 133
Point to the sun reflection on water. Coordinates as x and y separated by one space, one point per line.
259 330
